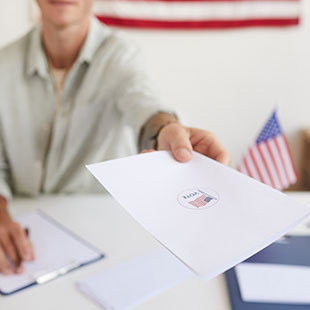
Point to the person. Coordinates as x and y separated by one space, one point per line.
75 92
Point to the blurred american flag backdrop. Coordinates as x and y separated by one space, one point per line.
198 14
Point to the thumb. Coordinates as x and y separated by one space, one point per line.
176 138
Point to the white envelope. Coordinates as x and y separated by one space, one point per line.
128 284
209 215
274 283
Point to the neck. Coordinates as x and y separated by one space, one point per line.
62 45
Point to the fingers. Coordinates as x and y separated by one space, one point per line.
5 267
15 247
181 141
11 252
22 243
224 158
147 151
206 143
175 138
218 152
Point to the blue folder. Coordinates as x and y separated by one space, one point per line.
292 250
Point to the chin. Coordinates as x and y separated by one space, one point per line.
62 21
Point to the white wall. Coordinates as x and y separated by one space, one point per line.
230 81
224 81
15 19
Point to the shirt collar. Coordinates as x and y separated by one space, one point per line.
36 59
96 35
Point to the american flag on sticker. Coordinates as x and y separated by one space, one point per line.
198 14
201 201
270 160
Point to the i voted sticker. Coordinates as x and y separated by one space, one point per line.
198 198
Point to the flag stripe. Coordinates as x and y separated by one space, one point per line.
246 166
287 158
226 1
199 202
242 168
256 165
198 10
282 159
262 156
290 157
198 14
274 164
193 24
251 167
271 167
281 168
259 161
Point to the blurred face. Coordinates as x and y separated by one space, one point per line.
62 13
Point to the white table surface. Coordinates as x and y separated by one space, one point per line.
102 222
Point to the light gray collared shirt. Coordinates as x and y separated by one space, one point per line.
105 100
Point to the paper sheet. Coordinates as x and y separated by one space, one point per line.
209 215
53 247
273 283
134 281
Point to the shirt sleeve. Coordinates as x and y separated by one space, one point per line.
137 97
5 189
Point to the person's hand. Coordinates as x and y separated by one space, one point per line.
181 141
15 245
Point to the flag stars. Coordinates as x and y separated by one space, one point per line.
271 130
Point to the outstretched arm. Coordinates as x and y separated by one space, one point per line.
164 132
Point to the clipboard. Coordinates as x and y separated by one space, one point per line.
58 251
290 250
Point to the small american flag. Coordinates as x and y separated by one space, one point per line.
270 160
201 201
198 14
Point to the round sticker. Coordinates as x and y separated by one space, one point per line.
198 198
